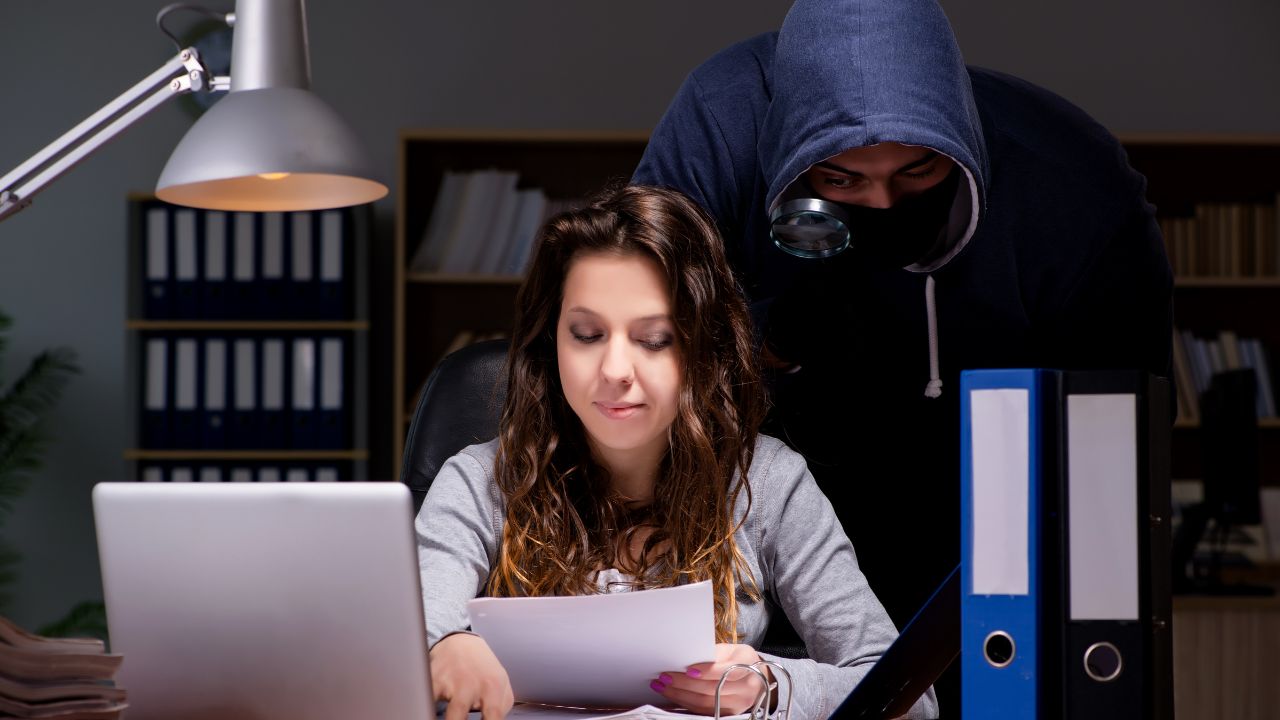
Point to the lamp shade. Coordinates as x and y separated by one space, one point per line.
276 148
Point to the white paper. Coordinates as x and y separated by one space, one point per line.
597 650
643 712
1000 421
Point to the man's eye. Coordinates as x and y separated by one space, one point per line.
837 181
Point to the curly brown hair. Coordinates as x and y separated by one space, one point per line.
563 523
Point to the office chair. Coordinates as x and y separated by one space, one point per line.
461 405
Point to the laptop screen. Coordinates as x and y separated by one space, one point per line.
247 600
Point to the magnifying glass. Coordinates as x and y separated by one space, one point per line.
809 228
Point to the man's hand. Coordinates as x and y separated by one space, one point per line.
695 688
466 674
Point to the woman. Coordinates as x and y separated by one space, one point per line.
631 419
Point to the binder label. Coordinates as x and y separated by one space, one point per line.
1102 506
1000 419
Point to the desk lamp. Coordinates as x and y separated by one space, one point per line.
270 144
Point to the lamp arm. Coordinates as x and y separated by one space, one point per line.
183 73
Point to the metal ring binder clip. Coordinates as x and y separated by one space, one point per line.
760 711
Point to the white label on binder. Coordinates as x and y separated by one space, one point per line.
1102 506
157 373
268 474
295 475
157 244
1000 423
181 474
326 474
152 473
184 378
304 374
241 475
331 246
301 246
215 374
246 376
273 245
184 241
331 374
244 262
215 245
210 474
272 374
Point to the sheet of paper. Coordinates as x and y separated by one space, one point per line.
597 650
644 712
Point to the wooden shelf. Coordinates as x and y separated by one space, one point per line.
250 325
1264 423
248 455
463 279
1226 282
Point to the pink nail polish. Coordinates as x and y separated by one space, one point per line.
694 673
657 686
665 679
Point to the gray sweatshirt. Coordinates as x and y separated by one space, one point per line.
797 552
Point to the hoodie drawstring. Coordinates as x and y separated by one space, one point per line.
934 388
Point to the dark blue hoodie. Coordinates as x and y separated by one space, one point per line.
1052 258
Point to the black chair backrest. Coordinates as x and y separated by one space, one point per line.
460 405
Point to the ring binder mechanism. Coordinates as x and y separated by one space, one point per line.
760 710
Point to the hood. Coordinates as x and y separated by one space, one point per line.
851 73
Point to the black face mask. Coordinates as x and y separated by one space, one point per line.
904 234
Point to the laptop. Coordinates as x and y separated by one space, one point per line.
914 662
251 601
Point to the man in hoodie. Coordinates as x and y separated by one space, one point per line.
990 224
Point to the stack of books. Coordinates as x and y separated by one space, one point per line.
57 678
483 223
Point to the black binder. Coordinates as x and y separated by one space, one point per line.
1114 628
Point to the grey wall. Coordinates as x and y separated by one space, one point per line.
389 64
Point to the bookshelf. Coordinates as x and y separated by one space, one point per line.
432 308
247 344
1217 199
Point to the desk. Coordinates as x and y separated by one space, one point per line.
1226 658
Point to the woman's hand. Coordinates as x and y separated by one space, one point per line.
466 673
695 688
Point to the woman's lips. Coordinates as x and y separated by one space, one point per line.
618 411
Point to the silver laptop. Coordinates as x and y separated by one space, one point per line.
264 602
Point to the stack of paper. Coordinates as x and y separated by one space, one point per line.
61 679
597 651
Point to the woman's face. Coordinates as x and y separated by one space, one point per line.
616 346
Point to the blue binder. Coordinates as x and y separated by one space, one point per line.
333 431
214 276
244 266
186 264
334 290
272 299
185 415
157 391
303 283
157 303
1000 485
217 384
242 431
273 411
303 390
